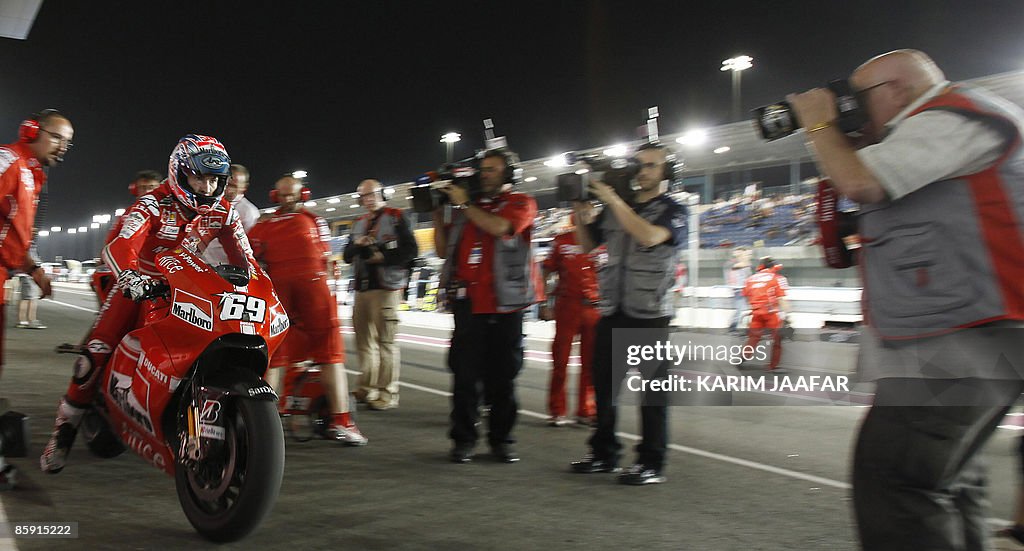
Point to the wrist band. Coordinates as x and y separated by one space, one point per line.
819 126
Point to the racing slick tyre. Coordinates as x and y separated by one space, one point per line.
227 494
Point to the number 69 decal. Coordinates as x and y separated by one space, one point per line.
242 307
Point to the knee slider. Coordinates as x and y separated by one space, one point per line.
84 369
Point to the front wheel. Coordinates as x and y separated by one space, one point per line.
226 495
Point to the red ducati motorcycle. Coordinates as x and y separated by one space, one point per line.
185 391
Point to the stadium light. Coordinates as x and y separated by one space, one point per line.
43 233
527 180
94 226
310 203
55 229
72 231
618 150
353 206
331 209
583 171
299 174
557 161
334 200
82 229
693 137
119 212
722 149
389 191
355 196
449 140
737 65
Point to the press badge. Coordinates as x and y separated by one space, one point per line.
475 255
391 245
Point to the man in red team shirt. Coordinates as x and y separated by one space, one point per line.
43 139
765 290
489 277
186 210
293 244
575 313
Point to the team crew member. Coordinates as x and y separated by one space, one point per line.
575 313
943 257
642 239
248 214
381 246
187 210
145 181
103 278
489 278
765 290
293 243
43 140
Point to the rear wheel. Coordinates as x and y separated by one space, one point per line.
226 495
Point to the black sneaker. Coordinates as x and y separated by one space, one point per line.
504 453
461 453
639 475
589 464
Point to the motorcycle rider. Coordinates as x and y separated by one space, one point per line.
187 210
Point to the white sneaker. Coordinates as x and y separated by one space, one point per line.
348 435
23 324
36 325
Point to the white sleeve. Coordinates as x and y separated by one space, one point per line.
930 147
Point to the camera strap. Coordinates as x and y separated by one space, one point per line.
836 253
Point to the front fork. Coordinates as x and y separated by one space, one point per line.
204 423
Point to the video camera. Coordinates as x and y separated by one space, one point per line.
778 119
426 197
618 172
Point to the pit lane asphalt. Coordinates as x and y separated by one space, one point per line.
750 477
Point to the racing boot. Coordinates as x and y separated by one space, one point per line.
65 428
343 429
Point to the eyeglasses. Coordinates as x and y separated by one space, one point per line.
862 93
60 139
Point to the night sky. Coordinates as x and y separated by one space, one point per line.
348 90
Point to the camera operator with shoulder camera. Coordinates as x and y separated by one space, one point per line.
941 187
642 237
488 278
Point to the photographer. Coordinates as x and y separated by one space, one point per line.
488 278
943 257
381 246
635 293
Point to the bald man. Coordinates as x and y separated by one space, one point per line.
940 179
380 248
294 245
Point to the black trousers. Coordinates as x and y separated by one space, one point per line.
606 378
487 349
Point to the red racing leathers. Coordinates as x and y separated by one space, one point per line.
21 180
155 223
763 291
295 247
576 313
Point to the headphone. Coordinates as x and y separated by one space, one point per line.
380 195
513 174
28 131
304 195
671 165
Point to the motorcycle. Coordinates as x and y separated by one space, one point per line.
185 391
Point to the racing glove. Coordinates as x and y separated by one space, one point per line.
135 285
